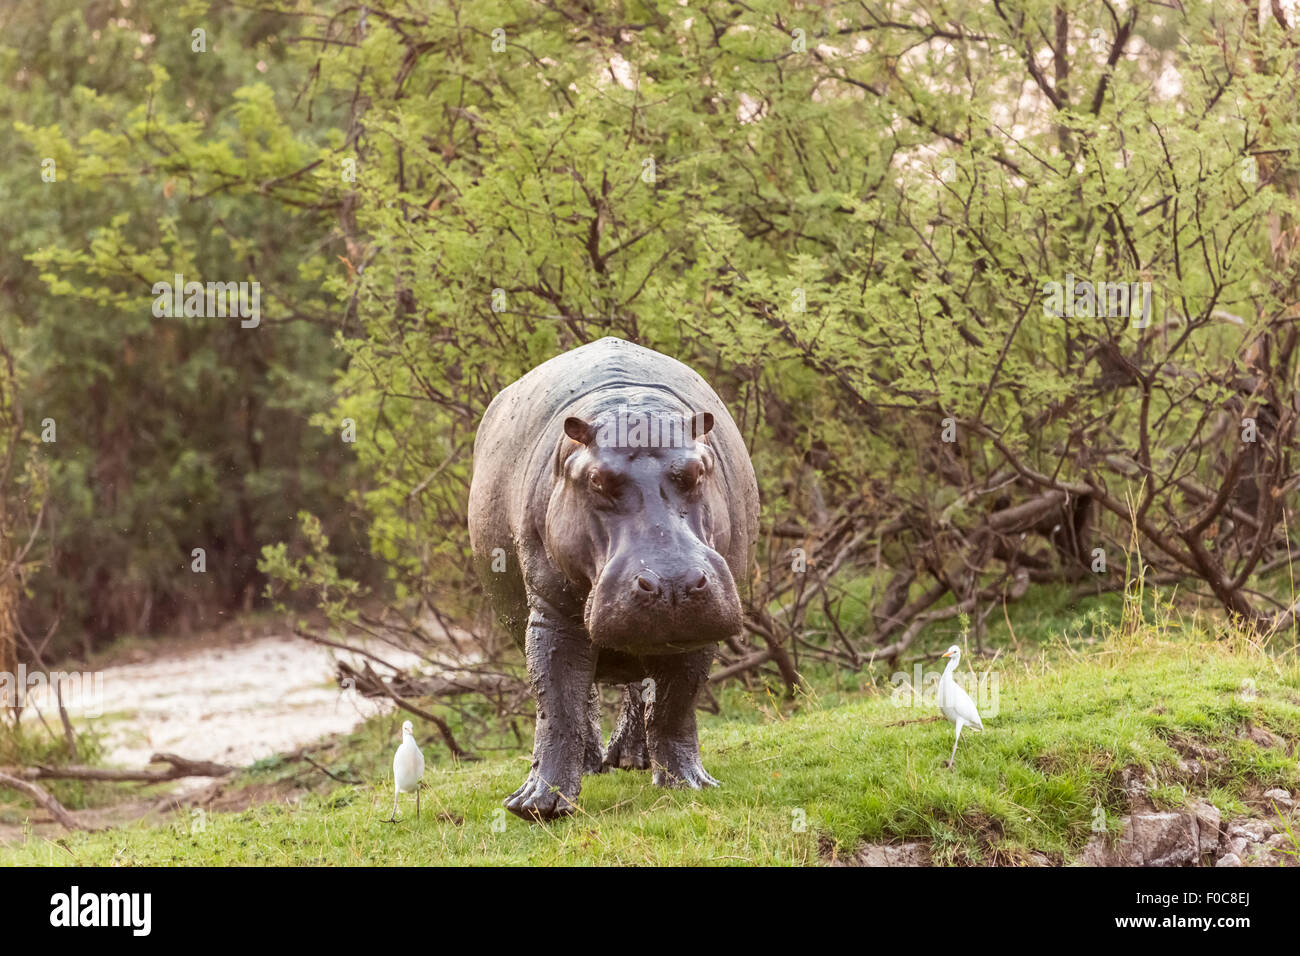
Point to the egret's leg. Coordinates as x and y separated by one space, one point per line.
392 818
956 737
417 800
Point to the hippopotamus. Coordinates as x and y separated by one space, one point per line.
613 514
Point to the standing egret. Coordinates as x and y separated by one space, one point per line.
955 702
408 768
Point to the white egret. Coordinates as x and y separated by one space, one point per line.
408 768
955 702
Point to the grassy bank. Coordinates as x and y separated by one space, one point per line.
850 765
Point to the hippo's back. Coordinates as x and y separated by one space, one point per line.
528 405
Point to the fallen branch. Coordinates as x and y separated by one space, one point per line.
38 794
179 767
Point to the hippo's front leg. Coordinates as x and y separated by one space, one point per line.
671 736
560 668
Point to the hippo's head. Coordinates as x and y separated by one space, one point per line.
635 516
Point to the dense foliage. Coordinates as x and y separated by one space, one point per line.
850 217
159 435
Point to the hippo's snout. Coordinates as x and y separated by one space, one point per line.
644 609
677 589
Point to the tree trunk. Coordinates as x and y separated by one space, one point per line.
8 614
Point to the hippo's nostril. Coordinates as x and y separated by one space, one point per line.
700 581
646 583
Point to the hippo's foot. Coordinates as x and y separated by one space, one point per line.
593 758
539 800
693 778
627 752
683 769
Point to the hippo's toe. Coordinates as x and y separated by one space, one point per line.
677 764
690 778
537 800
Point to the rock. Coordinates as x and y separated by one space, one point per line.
1149 838
1280 797
1264 737
891 854
1208 821
1099 852
1168 838
1253 831
1133 782
1259 843
1162 839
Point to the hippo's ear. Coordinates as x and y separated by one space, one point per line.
701 424
579 430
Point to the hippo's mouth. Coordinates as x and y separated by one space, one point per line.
657 648
644 627
645 644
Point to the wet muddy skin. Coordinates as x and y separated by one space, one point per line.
613 514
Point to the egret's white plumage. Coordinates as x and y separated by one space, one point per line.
955 702
408 768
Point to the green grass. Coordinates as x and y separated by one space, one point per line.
855 766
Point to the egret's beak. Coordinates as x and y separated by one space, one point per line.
946 654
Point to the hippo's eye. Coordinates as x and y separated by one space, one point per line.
689 474
603 482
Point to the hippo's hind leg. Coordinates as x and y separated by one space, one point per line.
593 754
627 746
560 669
673 741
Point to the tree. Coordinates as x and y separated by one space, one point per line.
10 433
998 294
168 432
